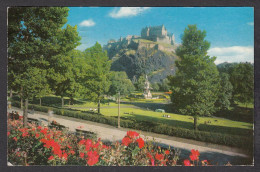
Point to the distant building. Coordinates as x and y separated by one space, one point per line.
157 34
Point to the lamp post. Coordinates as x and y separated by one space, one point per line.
118 110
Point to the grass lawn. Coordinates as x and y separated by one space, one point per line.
216 124
237 121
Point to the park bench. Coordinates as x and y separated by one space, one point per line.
57 125
13 116
35 121
86 134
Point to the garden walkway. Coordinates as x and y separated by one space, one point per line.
110 133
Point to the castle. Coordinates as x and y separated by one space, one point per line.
157 34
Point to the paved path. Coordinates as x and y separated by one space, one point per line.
110 133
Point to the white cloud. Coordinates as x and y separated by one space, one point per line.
250 23
127 11
87 23
232 54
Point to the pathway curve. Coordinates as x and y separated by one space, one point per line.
110 133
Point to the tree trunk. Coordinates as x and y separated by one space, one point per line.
11 93
25 113
98 106
195 123
71 101
21 103
40 101
21 96
118 110
62 101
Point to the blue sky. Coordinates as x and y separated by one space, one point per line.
230 30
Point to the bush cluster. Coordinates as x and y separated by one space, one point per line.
211 137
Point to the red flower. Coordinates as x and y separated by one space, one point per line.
15 139
195 152
25 134
65 156
126 141
186 162
39 127
132 134
72 152
44 131
152 161
81 155
167 152
37 135
92 158
51 158
88 144
8 133
194 155
159 156
140 142
82 142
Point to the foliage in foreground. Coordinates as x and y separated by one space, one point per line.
38 145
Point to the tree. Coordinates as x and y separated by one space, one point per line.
165 85
120 83
97 78
242 79
140 83
225 93
61 73
155 86
35 36
196 83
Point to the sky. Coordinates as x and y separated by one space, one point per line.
230 30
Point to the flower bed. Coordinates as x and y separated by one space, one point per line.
37 145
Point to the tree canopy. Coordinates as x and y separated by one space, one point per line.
35 37
120 83
97 78
196 83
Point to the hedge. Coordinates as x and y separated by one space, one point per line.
211 137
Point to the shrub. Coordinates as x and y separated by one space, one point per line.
211 137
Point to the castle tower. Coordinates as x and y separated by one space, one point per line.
147 93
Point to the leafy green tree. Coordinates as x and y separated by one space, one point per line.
196 83
35 36
79 69
120 83
97 78
242 79
140 83
165 85
155 86
225 93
